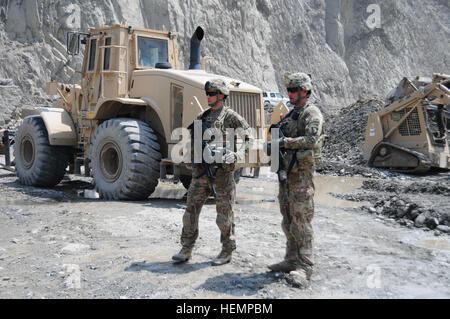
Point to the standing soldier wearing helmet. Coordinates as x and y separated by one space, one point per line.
303 139
221 118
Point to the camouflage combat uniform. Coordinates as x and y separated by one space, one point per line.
302 137
303 140
200 188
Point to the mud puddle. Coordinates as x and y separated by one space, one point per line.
164 190
439 244
253 193
248 192
336 184
426 240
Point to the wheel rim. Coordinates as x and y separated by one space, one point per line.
111 161
27 151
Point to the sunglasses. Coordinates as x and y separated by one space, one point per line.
293 90
212 93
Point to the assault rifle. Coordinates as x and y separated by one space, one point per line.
207 169
282 173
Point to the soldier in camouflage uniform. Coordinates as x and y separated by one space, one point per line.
218 117
302 128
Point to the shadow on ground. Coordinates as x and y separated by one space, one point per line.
167 267
239 284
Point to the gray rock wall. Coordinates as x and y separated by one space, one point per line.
337 41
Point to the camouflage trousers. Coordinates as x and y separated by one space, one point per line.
298 213
198 193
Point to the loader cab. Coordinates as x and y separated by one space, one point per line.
152 53
112 53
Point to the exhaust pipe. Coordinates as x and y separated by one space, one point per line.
195 49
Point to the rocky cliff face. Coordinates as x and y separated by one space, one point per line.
352 48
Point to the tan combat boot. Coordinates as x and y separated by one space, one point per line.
223 258
184 255
298 278
284 266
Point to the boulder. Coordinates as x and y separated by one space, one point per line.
414 213
420 220
443 228
400 212
431 222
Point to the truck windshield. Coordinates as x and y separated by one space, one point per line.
151 51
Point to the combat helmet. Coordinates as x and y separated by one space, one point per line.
219 85
301 80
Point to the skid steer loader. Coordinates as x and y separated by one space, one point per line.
411 133
117 124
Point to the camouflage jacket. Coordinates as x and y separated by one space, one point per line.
223 119
304 135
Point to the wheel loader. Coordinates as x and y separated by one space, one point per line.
411 133
116 125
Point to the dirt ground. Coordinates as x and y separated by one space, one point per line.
55 243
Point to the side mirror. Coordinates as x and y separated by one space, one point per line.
73 43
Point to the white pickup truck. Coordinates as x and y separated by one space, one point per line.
274 98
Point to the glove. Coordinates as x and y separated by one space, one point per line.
229 157
280 142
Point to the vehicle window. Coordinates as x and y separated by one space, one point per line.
151 51
107 54
177 106
264 94
92 51
272 94
279 95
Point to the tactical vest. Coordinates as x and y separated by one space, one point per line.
294 125
219 123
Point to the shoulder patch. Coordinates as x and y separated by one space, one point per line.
235 119
314 110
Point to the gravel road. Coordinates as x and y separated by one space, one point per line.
55 243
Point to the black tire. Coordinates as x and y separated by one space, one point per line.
37 162
256 171
186 179
125 159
